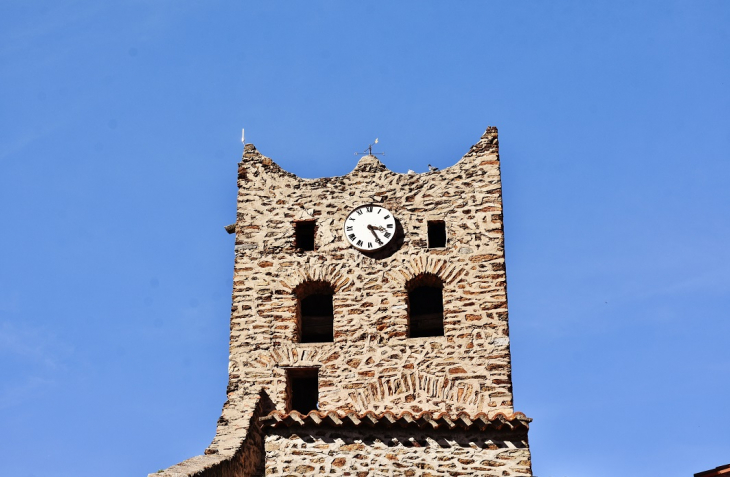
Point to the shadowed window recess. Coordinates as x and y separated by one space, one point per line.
436 234
302 389
315 312
304 232
425 306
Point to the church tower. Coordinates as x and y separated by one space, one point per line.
369 326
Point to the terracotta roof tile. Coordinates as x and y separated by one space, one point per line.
721 470
427 420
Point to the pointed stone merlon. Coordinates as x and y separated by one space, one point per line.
253 161
488 143
369 164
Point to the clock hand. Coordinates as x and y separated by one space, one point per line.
376 227
373 229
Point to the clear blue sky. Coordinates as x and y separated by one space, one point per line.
119 138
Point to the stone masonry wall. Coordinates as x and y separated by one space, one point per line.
394 452
372 364
238 448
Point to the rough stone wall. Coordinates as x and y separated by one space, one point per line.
394 452
372 364
238 448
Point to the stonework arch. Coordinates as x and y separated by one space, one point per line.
311 273
446 272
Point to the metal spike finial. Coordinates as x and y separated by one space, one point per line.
369 150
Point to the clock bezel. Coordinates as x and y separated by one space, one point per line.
388 241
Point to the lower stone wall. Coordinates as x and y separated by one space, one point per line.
394 452
238 448
252 453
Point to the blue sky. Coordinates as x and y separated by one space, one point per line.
118 148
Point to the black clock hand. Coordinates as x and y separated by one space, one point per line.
373 229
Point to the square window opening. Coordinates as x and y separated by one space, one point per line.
304 234
302 389
436 234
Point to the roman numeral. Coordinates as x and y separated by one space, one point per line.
359 243
352 218
369 208
359 211
387 216
387 234
352 236
390 226
379 210
349 228
370 245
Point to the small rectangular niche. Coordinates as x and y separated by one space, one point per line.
302 389
436 234
304 234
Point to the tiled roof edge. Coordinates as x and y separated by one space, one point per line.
433 420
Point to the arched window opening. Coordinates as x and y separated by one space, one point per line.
315 312
425 307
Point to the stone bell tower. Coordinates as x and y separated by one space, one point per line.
381 349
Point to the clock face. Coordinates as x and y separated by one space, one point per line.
369 228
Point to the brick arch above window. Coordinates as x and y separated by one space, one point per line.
301 280
442 269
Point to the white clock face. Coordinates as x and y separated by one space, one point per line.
369 227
